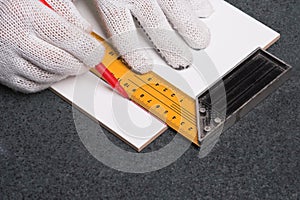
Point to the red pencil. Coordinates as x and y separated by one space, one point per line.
105 73
111 80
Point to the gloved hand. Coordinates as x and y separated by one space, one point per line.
39 46
154 16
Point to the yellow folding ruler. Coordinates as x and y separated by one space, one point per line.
203 119
156 95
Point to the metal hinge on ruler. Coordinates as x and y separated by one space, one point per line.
236 94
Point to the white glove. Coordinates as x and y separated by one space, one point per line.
202 8
39 47
154 17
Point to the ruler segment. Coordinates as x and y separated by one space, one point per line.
155 94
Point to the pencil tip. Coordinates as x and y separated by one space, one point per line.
121 91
